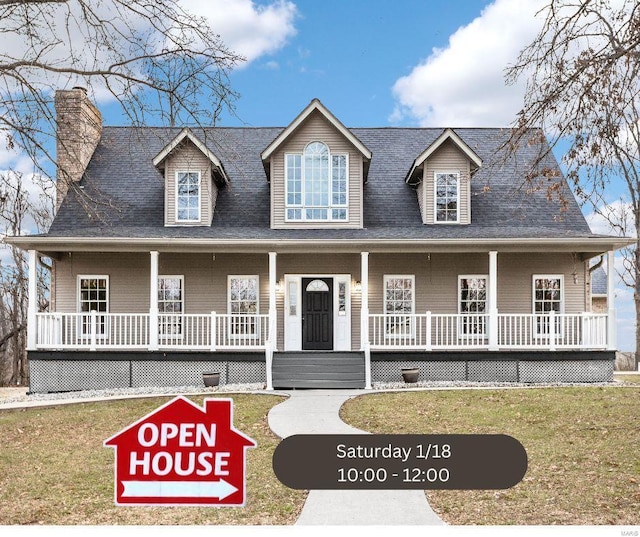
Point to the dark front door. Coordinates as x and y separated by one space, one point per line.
317 314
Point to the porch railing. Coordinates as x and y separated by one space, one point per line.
430 331
97 330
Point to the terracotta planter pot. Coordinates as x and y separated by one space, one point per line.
410 375
211 379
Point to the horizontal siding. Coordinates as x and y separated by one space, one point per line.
448 158
436 279
189 158
205 279
128 280
206 289
515 277
316 128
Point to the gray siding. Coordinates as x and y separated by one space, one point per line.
188 158
316 128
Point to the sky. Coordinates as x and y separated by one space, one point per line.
379 63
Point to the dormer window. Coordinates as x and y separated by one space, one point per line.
187 196
447 197
316 185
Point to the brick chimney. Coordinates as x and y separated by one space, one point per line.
79 126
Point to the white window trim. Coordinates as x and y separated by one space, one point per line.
199 220
256 334
80 333
461 277
179 336
411 277
534 277
302 206
435 196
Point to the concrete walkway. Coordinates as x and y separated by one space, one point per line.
317 412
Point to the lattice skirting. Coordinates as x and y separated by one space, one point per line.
548 371
76 375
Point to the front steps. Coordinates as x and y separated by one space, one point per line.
318 369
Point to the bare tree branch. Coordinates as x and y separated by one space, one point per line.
583 90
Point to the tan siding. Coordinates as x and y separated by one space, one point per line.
205 279
128 280
515 280
321 265
448 158
189 158
206 288
436 279
316 128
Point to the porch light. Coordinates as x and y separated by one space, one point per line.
280 286
357 287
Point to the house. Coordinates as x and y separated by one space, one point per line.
599 290
313 255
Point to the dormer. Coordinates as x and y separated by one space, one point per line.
192 177
442 177
317 169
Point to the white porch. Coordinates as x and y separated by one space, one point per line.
214 331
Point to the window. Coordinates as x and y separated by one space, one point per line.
399 305
472 304
93 295
243 305
547 297
447 190
317 185
187 196
170 306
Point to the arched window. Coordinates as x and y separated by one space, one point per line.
316 184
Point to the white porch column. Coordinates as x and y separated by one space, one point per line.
364 317
273 314
364 311
32 308
492 299
612 342
273 319
153 302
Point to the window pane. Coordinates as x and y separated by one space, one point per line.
188 196
243 301
446 186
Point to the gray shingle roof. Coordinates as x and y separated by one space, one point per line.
130 190
599 282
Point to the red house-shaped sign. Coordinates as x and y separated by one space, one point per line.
182 454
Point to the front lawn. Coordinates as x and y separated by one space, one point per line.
583 446
54 469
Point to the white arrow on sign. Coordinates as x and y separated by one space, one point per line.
178 489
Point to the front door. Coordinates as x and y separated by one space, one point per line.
317 314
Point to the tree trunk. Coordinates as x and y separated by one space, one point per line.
636 294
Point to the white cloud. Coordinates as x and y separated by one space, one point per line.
618 212
246 28
463 84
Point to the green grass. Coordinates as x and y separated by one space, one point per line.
54 469
583 446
